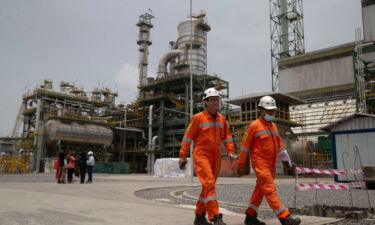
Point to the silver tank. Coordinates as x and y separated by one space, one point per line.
77 133
199 39
297 150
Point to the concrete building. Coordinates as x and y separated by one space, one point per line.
368 19
319 75
335 82
328 73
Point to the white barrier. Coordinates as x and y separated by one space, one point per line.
168 167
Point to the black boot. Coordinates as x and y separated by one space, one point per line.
200 219
290 220
218 219
253 220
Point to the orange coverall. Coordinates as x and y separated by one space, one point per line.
208 133
263 142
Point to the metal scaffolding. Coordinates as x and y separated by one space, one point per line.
364 74
287 33
314 116
169 97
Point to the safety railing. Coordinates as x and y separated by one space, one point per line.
14 164
332 185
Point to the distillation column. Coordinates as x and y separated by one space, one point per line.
144 42
179 55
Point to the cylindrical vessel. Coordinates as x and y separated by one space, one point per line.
296 150
199 46
73 132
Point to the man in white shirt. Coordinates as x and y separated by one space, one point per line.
90 165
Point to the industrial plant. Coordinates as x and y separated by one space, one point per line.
314 91
127 137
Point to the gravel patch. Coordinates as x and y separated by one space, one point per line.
158 194
240 194
353 222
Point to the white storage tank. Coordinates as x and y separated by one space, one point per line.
73 132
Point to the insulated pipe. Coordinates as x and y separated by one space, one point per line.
37 137
125 117
364 45
173 44
150 127
133 129
162 70
153 144
191 88
149 139
125 111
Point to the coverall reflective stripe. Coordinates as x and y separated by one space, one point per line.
262 140
208 135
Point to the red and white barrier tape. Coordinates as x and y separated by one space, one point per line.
332 186
322 186
351 184
354 171
300 170
360 184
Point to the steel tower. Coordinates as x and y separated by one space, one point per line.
287 35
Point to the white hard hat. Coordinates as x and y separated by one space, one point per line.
267 102
211 92
90 153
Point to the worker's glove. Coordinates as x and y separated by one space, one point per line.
233 156
284 157
182 163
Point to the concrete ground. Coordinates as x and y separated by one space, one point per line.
109 200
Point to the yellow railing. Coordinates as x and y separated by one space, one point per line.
13 164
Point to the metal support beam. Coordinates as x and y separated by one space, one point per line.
37 137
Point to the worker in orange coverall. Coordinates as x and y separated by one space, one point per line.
208 130
265 145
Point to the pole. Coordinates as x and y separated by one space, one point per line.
191 86
316 189
37 150
346 175
125 114
123 154
149 140
356 152
295 189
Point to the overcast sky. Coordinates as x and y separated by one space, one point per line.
93 42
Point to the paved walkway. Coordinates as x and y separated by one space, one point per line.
111 201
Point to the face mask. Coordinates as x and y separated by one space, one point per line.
268 117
